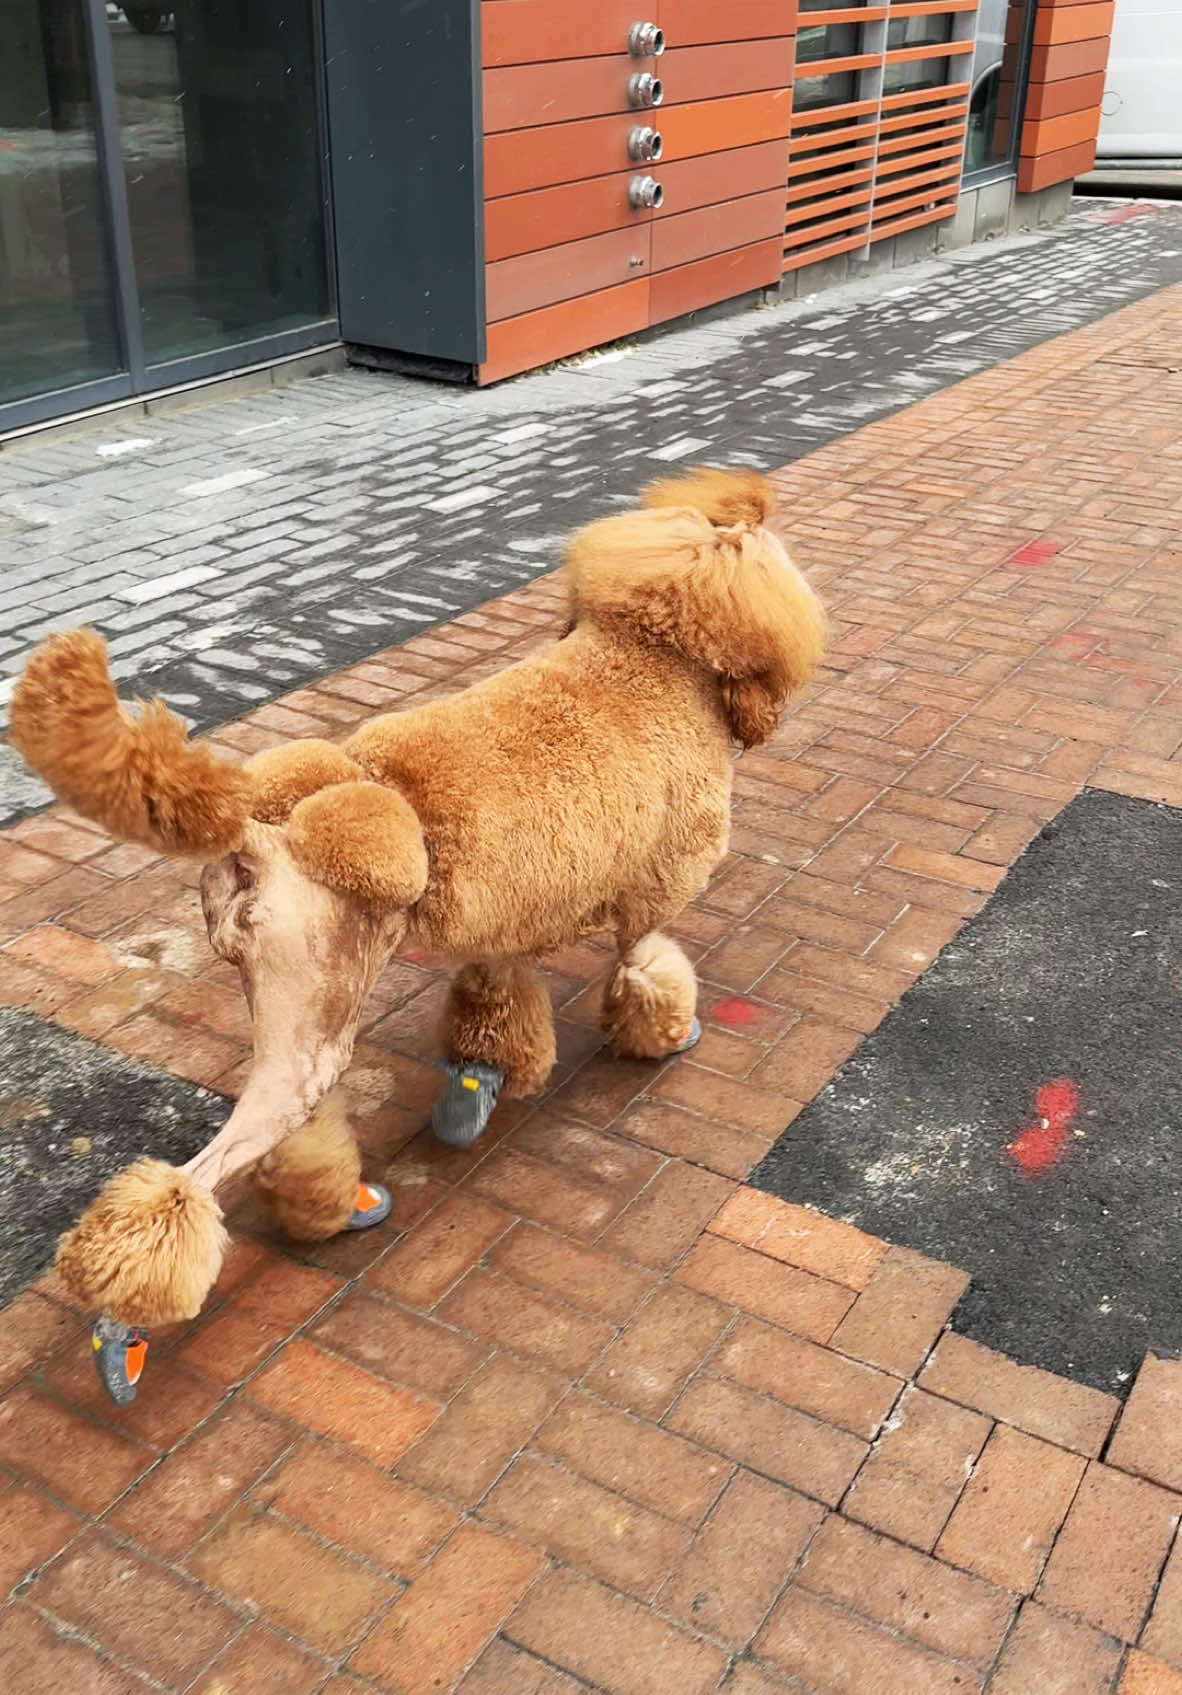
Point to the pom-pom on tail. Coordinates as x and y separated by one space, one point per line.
148 1249
140 778
722 497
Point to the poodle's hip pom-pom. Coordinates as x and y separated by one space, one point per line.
148 1249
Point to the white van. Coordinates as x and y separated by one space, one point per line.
1141 113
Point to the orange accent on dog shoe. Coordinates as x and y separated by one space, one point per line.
371 1205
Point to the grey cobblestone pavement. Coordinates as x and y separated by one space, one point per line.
239 548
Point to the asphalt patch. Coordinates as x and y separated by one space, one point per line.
1019 1113
71 1115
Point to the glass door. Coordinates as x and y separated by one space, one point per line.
220 142
59 320
162 201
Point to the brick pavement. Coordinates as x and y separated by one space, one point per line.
596 1416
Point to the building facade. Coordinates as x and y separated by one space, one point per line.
472 188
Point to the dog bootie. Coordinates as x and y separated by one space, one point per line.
690 1040
119 1354
373 1204
464 1108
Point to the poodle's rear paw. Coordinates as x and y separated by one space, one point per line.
464 1108
373 1204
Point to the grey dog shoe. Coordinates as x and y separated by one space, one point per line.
374 1202
462 1112
119 1354
692 1038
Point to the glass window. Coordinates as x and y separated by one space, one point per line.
58 323
919 32
995 104
221 150
836 41
913 75
834 90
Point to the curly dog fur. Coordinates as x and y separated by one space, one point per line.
585 789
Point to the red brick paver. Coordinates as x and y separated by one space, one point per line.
591 1416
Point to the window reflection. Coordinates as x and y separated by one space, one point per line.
1002 28
221 151
57 313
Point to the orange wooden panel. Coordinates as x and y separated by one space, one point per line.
688 23
825 115
521 159
932 121
709 126
1070 59
891 164
1058 24
524 96
809 234
806 147
831 67
813 186
720 176
737 67
1053 99
934 50
531 280
931 8
519 344
814 165
926 196
709 280
1053 134
902 181
793 261
952 92
717 229
1050 168
848 15
825 207
913 220
526 32
520 223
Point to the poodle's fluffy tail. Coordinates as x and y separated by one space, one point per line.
139 777
723 497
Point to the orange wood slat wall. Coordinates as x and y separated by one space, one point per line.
569 261
1062 117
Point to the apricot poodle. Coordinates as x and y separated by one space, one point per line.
583 790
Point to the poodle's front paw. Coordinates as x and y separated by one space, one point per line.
464 1108
119 1354
373 1204
690 1040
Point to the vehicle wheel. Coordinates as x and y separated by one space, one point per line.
148 20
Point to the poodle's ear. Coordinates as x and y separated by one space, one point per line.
698 572
362 840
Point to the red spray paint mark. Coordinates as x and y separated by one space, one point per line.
1034 553
735 1012
1122 214
1038 1146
